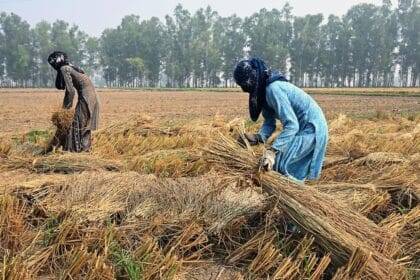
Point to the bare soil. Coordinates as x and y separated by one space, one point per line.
24 110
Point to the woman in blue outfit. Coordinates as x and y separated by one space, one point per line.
299 151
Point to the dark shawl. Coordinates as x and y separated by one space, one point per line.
57 60
253 77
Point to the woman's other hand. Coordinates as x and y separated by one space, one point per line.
253 139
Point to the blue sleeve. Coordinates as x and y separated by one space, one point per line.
278 100
268 127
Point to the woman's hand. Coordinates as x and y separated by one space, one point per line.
267 160
253 139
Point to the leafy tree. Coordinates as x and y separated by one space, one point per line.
365 47
2 49
330 57
178 62
361 18
304 51
109 55
409 25
43 45
268 37
229 39
92 55
387 30
153 49
16 48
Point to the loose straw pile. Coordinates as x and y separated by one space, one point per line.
62 119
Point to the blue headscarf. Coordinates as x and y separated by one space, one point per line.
253 77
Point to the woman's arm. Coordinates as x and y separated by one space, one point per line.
278 100
268 127
70 90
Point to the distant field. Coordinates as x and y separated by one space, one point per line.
369 91
345 91
26 109
365 91
342 91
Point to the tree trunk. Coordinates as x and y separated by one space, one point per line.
414 76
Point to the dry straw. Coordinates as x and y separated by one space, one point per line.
62 119
58 225
337 228
366 198
66 163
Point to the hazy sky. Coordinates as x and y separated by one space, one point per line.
93 16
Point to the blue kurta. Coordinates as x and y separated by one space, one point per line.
302 143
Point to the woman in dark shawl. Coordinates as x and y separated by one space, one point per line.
72 79
299 151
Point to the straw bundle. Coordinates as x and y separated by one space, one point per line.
266 258
397 136
100 196
141 125
169 163
354 268
14 232
381 158
140 136
91 196
65 163
388 171
365 198
72 163
62 119
407 229
336 228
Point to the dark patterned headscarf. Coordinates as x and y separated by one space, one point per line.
57 60
253 77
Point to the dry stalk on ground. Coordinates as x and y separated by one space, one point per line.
336 228
62 119
92 223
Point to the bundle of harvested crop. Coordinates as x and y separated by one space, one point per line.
62 119
336 227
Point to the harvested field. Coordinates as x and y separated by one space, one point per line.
18 107
170 195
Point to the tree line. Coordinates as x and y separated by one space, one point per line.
371 45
